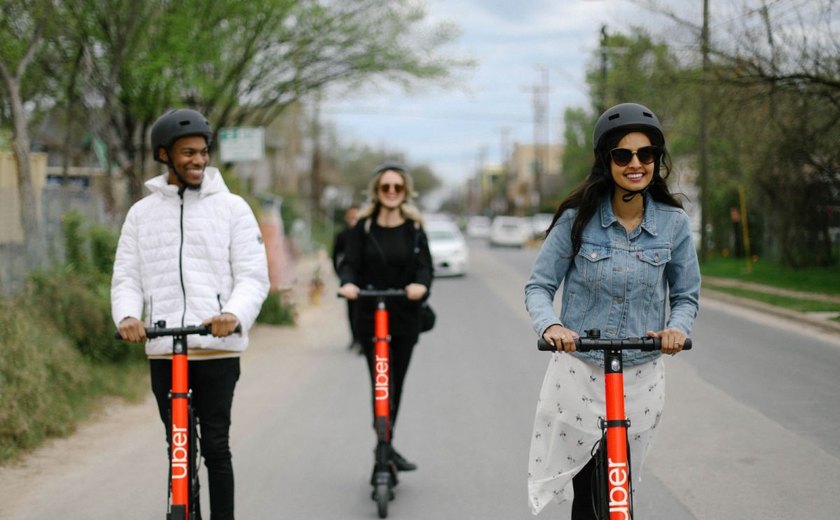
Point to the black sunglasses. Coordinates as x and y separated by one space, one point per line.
398 188
646 155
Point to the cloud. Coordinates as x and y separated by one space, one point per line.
511 41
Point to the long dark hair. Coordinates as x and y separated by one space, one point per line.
587 196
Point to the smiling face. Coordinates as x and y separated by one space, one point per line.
190 155
390 190
635 175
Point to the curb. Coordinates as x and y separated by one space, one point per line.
823 324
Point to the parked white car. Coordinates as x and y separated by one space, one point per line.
478 226
510 231
450 254
540 223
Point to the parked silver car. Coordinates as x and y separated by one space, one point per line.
510 231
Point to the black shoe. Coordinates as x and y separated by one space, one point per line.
400 462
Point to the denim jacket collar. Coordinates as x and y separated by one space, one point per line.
648 220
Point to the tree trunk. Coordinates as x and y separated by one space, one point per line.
20 144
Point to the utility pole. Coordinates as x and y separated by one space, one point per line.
541 132
602 94
704 137
499 190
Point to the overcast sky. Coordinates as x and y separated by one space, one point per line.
510 41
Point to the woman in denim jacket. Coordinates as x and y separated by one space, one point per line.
621 246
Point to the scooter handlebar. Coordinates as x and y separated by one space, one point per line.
379 293
158 332
587 344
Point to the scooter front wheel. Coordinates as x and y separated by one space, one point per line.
382 495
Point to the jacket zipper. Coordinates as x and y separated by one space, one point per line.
181 262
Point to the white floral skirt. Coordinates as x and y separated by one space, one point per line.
567 426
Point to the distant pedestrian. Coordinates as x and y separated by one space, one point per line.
351 216
388 249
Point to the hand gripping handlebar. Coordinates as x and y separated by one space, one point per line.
160 330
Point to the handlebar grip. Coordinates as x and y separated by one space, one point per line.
544 346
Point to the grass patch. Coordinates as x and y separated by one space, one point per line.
794 304
47 385
812 279
60 358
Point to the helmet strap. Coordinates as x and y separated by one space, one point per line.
628 195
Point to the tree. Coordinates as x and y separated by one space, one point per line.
637 69
23 28
243 61
773 124
358 162
782 67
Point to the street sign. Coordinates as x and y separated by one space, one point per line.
242 144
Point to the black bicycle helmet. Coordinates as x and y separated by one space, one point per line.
390 165
627 116
176 124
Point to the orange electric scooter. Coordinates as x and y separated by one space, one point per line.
183 445
612 486
384 476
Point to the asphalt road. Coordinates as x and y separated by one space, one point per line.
749 431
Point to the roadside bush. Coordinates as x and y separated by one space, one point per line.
78 305
277 310
76 298
41 379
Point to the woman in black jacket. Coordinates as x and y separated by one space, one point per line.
388 249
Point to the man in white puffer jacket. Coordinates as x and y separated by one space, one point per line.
191 252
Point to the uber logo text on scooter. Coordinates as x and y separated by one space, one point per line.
179 453
381 387
619 502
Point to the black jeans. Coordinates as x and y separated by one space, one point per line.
582 484
401 349
212 383
351 314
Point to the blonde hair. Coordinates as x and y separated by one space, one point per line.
407 209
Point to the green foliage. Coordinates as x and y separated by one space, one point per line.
773 125
75 245
277 310
103 248
59 356
766 272
268 52
76 298
46 383
357 162
41 374
794 304
577 154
